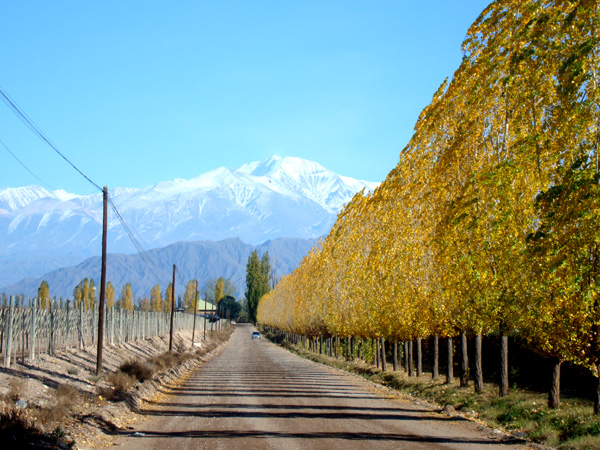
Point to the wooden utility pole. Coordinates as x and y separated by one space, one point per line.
195 310
102 283
172 310
205 301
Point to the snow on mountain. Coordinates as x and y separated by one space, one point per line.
308 179
12 199
277 197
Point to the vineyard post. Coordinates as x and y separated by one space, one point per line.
195 311
23 325
172 310
112 325
81 339
8 353
68 324
205 300
32 348
51 332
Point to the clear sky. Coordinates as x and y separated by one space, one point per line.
135 92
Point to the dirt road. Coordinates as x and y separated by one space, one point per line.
255 395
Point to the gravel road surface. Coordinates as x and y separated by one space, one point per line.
255 395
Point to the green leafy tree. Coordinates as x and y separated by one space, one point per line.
254 290
230 306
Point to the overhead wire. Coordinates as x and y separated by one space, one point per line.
35 129
141 251
25 167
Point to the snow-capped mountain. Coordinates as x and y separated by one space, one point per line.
277 197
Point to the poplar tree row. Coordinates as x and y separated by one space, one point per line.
490 222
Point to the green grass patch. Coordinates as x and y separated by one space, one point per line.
573 426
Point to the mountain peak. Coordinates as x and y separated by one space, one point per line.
275 166
273 198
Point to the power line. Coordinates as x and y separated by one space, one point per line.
144 255
179 275
34 128
26 168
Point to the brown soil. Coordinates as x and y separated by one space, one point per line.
62 394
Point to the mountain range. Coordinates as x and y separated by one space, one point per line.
203 261
41 230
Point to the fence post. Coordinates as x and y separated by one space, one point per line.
81 340
8 353
32 339
68 324
92 327
23 325
51 334
112 325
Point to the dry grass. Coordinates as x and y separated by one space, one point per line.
120 382
140 370
63 404
21 427
573 426
17 427
133 371
16 387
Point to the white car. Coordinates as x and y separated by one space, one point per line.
255 335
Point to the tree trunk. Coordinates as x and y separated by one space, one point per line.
406 362
450 368
554 396
411 360
419 359
597 394
383 361
504 365
395 355
436 357
478 370
377 353
464 372
348 350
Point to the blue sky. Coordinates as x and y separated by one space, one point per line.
135 93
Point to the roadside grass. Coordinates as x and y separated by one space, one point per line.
573 426
137 370
24 426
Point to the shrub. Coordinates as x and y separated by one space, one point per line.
120 382
137 369
16 386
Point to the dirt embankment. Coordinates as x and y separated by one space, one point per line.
58 401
